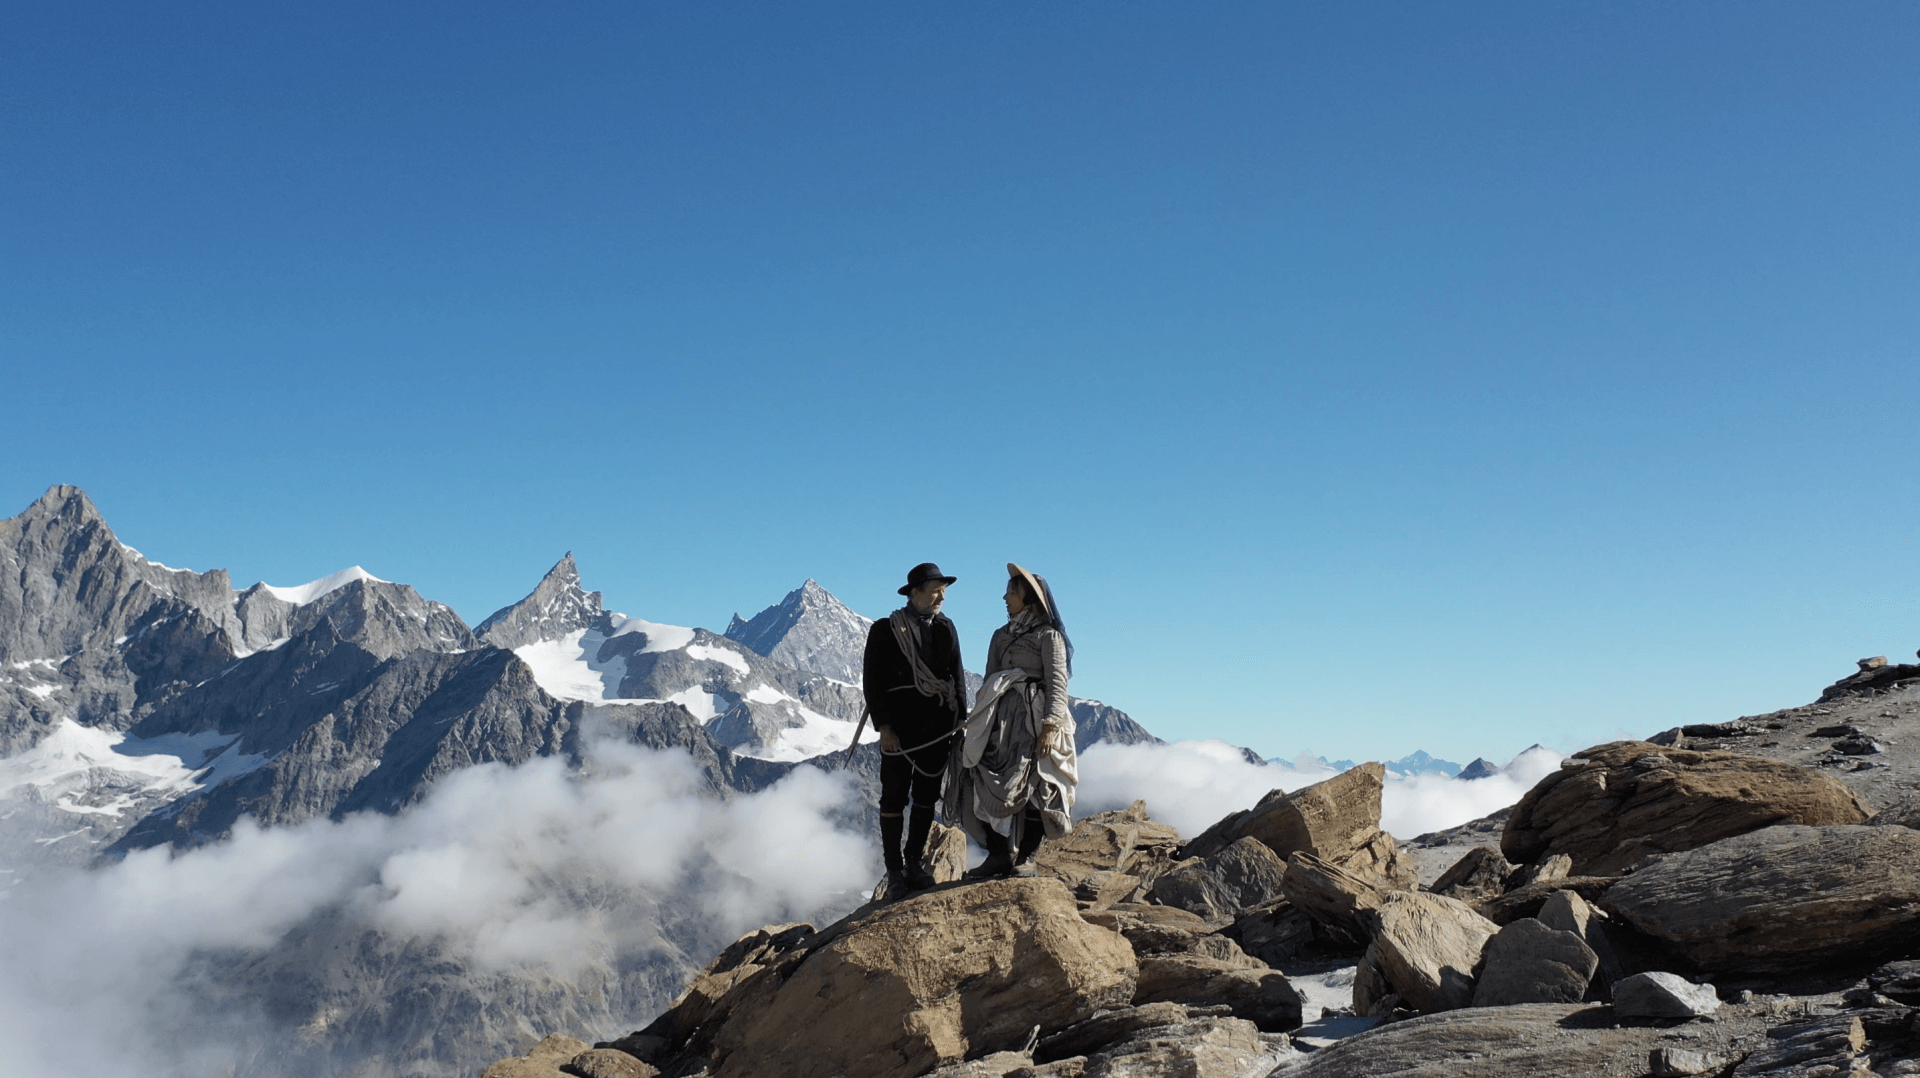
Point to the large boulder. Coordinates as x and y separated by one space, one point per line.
1780 899
1611 805
1529 962
1254 992
1274 932
1337 820
1219 887
949 974
1423 956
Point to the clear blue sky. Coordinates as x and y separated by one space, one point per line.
1366 377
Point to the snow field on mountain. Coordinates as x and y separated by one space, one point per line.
74 760
567 670
314 589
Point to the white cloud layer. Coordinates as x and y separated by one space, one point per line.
1191 784
493 864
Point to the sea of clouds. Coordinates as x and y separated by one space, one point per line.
490 866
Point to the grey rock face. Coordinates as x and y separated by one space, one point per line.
1662 995
1780 898
1094 722
1528 962
556 607
808 630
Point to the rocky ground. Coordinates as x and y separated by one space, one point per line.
1732 899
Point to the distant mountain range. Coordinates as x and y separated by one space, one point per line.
145 706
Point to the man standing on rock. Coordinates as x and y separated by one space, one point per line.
916 692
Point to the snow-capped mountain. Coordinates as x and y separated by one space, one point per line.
807 630
752 703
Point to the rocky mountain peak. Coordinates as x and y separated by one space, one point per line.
808 629
558 606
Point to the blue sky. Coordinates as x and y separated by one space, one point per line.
1365 377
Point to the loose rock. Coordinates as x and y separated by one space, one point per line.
1480 875
543 1060
1673 1062
1425 948
1662 995
1528 962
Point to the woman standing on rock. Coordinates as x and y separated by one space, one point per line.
1016 766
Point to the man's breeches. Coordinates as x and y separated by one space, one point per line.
919 772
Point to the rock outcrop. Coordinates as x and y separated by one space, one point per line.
1337 820
1218 888
1609 806
895 990
1780 899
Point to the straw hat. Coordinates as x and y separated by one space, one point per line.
1035 585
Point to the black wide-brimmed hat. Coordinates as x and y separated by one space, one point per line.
924 572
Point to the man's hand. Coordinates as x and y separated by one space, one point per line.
888 742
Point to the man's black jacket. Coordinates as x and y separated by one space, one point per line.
891 695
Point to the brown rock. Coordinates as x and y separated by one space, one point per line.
946 853
1218 887
1151 929
1272 932
941 976
1826 1045
1557 867
1425 948
1780 899
1609 806
1330 819
1330 894
543 1060
1379 859
1529 900
608 1063
1480 875
1568 912
1110 856
1259 995
1536 1040
1107 1027
721 986
1529 962
1201 1047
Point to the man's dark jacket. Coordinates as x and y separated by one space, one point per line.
891 694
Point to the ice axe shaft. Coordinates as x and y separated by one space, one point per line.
857 731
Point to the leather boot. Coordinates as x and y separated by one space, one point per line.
919 825
890 828
999 862
1032 830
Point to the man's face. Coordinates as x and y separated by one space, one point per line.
926 598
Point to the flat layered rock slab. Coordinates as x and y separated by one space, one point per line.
1534 1040
1780 899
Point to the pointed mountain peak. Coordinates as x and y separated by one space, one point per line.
808 629
558 606
62 502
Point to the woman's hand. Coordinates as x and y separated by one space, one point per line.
888 742
1051 739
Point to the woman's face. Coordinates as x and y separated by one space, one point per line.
1016 597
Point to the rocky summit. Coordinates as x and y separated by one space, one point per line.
1676 906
